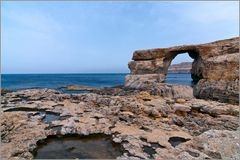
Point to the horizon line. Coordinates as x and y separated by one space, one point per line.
70 73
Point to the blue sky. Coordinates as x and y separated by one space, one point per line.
100 37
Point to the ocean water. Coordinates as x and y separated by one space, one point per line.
179 78
56 81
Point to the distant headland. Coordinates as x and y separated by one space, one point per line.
183 67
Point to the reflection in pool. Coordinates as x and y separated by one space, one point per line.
75 146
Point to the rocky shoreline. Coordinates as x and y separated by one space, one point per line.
147 118
146 125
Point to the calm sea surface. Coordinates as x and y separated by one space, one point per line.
55 81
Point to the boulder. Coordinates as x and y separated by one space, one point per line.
180 107
140 81
168 90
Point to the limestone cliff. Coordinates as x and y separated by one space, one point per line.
215 68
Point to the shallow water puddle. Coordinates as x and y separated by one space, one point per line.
23 109
47 115
75 146
55 128
50 116
174 141
149 150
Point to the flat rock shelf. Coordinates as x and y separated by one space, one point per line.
117 123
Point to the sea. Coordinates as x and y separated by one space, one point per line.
58 81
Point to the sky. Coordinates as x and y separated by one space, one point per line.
100 37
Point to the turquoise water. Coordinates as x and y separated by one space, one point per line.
56 81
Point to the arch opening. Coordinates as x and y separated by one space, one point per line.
182 68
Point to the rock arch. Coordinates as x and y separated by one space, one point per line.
196 72
215 64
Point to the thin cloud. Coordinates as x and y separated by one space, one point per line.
209 12
33 20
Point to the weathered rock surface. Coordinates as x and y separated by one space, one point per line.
77 88
162 89
215 64
19 135
222 90
146 125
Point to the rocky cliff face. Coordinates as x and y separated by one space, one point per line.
184 67
215 68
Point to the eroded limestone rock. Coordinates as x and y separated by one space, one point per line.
215 64
147 126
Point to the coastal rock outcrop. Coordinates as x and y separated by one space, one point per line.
215 68
146 126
